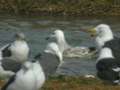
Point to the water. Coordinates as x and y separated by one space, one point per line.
37 29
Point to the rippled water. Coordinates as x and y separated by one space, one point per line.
37 29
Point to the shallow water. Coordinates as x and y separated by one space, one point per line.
37 29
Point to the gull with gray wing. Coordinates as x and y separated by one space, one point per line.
33 73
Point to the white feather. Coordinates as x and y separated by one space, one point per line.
105 53
32 79
20 51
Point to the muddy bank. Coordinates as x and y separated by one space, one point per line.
61 7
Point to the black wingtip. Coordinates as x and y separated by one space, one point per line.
47 38
38 56
92 49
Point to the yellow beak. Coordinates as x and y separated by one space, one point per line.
92 32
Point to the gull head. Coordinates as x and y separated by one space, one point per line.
20 36
57 34
101 30
102 34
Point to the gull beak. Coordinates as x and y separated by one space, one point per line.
92 32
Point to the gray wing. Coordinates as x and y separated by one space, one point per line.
10 65
49 63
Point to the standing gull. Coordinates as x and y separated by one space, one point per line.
13 55
33 74
68 50
108 62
